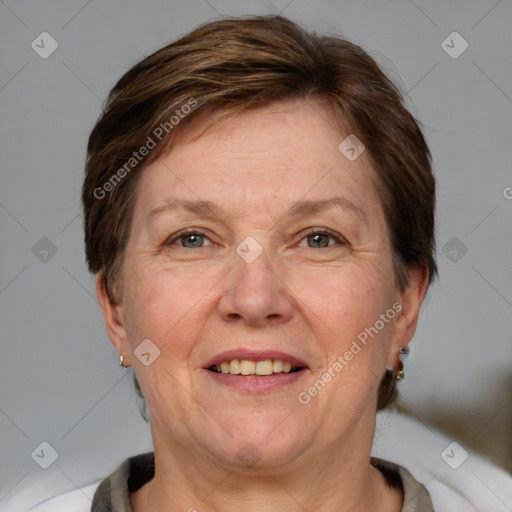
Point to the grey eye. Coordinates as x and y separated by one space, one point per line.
196 240
319 239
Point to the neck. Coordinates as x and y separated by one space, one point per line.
337 478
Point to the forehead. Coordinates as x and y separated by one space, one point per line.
295 131
281 153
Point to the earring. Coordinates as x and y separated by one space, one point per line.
121 359
400 374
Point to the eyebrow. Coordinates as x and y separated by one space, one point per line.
301 208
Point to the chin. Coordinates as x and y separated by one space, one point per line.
264 443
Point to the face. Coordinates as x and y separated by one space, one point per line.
290 262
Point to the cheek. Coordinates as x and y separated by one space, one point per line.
157 310
152 303
343 313
345 299
167 307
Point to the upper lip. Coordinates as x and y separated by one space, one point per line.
254 355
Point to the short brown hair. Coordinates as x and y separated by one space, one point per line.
231 65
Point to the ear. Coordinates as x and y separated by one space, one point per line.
113 315
405 323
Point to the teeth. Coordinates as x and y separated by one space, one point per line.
234 367
247 367
278 366
264 367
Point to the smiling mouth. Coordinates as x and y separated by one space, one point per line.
246 367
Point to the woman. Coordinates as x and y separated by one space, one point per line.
259 212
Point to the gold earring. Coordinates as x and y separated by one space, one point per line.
121 359
400 374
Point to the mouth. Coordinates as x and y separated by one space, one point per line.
261 368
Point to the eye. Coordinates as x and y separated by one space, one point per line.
320 239
316 238
188 239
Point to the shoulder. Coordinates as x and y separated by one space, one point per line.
111 493
455 477
433 495
416 495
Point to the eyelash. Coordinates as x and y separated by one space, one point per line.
310 231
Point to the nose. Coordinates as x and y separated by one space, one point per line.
255 294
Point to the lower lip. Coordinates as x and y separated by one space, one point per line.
257 383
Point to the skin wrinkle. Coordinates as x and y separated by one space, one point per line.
208 209
311 302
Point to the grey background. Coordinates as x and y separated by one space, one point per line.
59 376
